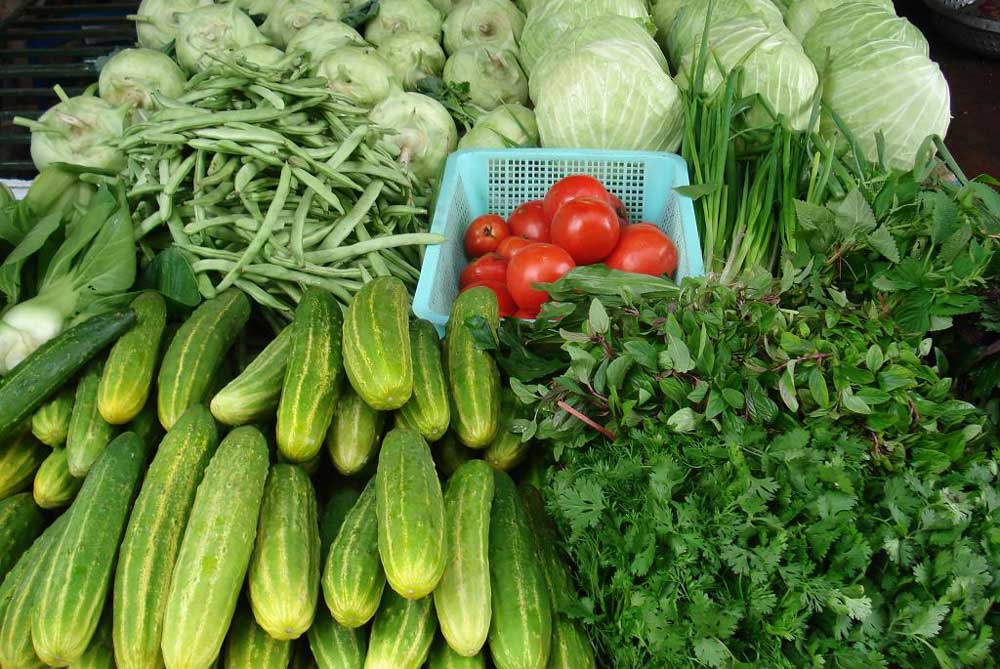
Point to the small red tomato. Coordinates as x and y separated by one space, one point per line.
619 208
529 221
512 245
570 188
538 263
644 249
587 228
528 315
485 234
490 267
504 300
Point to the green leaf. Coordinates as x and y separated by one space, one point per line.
944 217
956 242
874 358
696 191
927 623
786 388
172 275
853 403
733 397
599 321
643 353
482 334
524 393
617 370
683 420
108 266
882 241
582 502
711 652
679 354
715 405
812 217
818 388
854 218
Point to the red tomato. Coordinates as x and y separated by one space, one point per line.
644 249
538 263
485 234
570 188
504 300
512 245
529 315
490 267
619 208
529 221
588 228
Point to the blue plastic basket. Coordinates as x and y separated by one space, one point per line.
481 181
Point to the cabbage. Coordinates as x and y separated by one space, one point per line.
664 14
413 56
321 36
493 75
855 23
260 55
132 76
84 130
551 18
889 86
689 24
290 16
207 33
505 127
404 16
496 23
607 91
804 13
774 66
156 21
358 73
420 134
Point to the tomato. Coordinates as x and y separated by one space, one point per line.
490 267
529 221
538 263
570 188
485 234
619 208
643 249
528 315
587 228
504 300
512 245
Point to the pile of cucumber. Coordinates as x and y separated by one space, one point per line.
234 541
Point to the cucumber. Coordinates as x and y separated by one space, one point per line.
309 391
50 422
41 374
354 434
153 537
215 551
146 425
473 377
410 509
377 344
402 633
335 646
337 507
450 454
253 395
558 581
248 646
196 352
284 571
20 523
54 486
20 458
462 599
301 656
428 411
521 630
128 371
25 564
571 648
89 434
76 586
99 654
507 450
353 579
444 657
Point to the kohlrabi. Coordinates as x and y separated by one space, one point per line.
507 126
290 16
358 73
157 20
494 76
209 34
134 77
419 132
496 23
404 16
322 36
84 130
413 56
260 55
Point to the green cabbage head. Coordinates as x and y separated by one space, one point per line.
689 24
854 24
804 13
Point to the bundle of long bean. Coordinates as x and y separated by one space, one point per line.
271 183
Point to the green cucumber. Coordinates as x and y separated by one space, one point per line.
89 434
521 630
353 578
253 395
20 523
302 656
571 648
76 584
410 506
25 564
215 551
444 657
337 507
354 434
20 458
41 374
558 581
473 377
54 486
248 646
309 391
128 371
284 571
462 599
50 422
507 450
402 633
99 654
377 344
153 537
146 425
335 646
428 411
196 352
450 454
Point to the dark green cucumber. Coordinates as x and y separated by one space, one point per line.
25 565
571 648
89 434
428 411
128 371
473 377
444 657
248 646
253 395
354 434
554 569
20 523
450 454
337 507
50 422
54 486
335 646
20 458
402 633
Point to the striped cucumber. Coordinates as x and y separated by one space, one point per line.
20 523
444 657
20 458
76 584
23 568
50 422
450 454
337 507
284 571
571 648
215 551
302 656
89 434
521 631
54 486
354 434
146 425
309 391
377 344
335 646
557 577
99 654
428 411
507 450
462 599
153 538
473 377
402 633
248 646
128 371
253 395
410 509
196 352
353 579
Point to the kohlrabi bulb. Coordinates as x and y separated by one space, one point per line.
322 36
156 21
261 55
493 75
496 23
256 7
413 56
358 73
420 132
505 127
84 130
208 34
132 77
404 16
290 16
